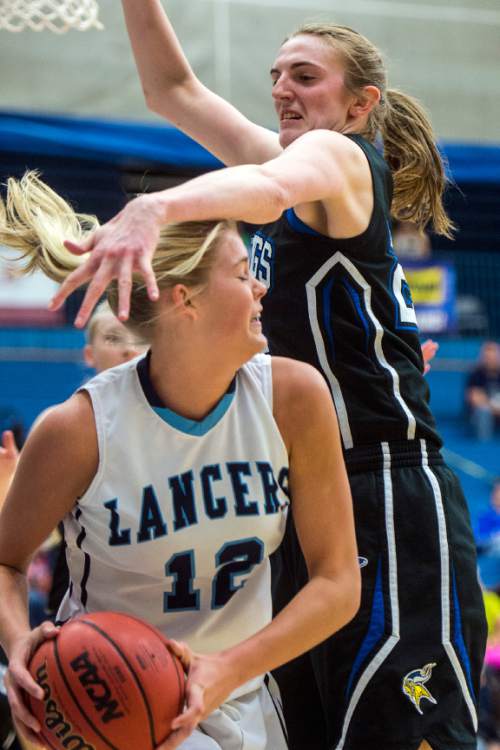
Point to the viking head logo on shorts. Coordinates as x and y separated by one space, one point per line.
414 686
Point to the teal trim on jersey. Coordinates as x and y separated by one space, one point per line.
299 225
194 426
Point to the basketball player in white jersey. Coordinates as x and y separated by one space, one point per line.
174 474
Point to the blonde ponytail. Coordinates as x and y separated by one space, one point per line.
415 162
35 220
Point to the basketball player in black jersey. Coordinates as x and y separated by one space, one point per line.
404 675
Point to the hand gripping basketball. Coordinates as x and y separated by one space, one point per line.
108 680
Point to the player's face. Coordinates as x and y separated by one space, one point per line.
231 303
112 345
308 88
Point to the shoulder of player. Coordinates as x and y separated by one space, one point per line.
337 145
67 431
300 395
342 162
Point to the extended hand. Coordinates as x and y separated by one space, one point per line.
18 679
9 455
123 246
429 349
210 680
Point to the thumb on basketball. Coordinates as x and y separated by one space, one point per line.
182 652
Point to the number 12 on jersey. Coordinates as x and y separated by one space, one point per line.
235 560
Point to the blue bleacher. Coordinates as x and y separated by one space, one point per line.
38 368
475 463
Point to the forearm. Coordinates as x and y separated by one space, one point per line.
319 609
160 60
14 618
243 193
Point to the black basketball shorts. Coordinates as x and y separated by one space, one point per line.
407 667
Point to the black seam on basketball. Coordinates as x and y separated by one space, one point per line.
132 671
75 701
48 742
176 662
178 671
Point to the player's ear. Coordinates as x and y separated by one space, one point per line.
363 104
182 298
88 355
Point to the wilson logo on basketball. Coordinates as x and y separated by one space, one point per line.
96 688
54 718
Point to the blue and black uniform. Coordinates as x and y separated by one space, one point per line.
407 667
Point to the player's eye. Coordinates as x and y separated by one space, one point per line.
112 339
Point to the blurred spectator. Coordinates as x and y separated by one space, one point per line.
489 697
410 242
482 393
487 533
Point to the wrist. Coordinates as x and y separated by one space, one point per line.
154 207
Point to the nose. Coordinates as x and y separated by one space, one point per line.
282 89
259 289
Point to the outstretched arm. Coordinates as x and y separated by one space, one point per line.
173 91
318 166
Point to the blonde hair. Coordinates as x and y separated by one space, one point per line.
35 220
403 124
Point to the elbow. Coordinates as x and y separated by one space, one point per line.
153 100
352 595
355 596
276 199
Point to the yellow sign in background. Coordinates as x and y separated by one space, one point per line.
428 285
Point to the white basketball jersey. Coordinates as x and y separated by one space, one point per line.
181 517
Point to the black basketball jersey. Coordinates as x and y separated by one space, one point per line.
344 306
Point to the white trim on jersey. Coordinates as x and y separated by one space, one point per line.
393 639
445 586
338 398
345 429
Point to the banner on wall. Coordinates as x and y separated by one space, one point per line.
24 299
433 289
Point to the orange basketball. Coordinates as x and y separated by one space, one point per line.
110 682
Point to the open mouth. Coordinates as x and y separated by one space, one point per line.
286 116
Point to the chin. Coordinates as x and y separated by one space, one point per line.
260 345
286 138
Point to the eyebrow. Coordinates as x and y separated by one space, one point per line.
295 65
243 259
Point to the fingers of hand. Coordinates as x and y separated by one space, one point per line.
96 288
182 652
46 630
80 248
27 734
16 681
194 711
124 287
146 270
78 277
9 444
